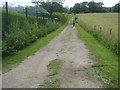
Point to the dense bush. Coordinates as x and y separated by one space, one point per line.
19 31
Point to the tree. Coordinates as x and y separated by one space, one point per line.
107 9
53 7
84 7
76 8
95 7
92 6
71 10
100 7
116 8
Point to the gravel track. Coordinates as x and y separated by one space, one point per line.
76 71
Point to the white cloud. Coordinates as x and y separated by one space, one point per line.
110 3
107 3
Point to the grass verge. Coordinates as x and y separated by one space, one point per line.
107 62
51 84
11 61
54 67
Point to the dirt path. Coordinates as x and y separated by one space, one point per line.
76 71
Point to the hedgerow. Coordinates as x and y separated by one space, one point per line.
19 31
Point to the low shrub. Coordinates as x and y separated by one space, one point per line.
19 31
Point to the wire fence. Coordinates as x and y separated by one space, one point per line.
33 10
9 18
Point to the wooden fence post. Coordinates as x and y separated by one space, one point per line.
94 27
110 31
100 29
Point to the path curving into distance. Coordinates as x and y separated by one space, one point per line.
76 71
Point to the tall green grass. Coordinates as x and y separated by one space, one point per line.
103 26
107 62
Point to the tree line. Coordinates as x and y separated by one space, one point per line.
53 7
93 7
84 7
50 7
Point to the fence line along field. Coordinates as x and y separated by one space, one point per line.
103 26
19 31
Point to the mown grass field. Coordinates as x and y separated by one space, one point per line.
103 26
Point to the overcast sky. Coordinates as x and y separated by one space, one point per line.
107 3
69 3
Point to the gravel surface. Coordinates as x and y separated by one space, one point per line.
76 71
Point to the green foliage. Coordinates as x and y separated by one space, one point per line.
51 84
93 7
116 8
54 67
19 31
60 18
76 8
88 7
53 7
9 61
107 62
107 21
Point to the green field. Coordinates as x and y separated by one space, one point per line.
108 22
105 20
107 62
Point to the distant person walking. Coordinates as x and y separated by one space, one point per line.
74 21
